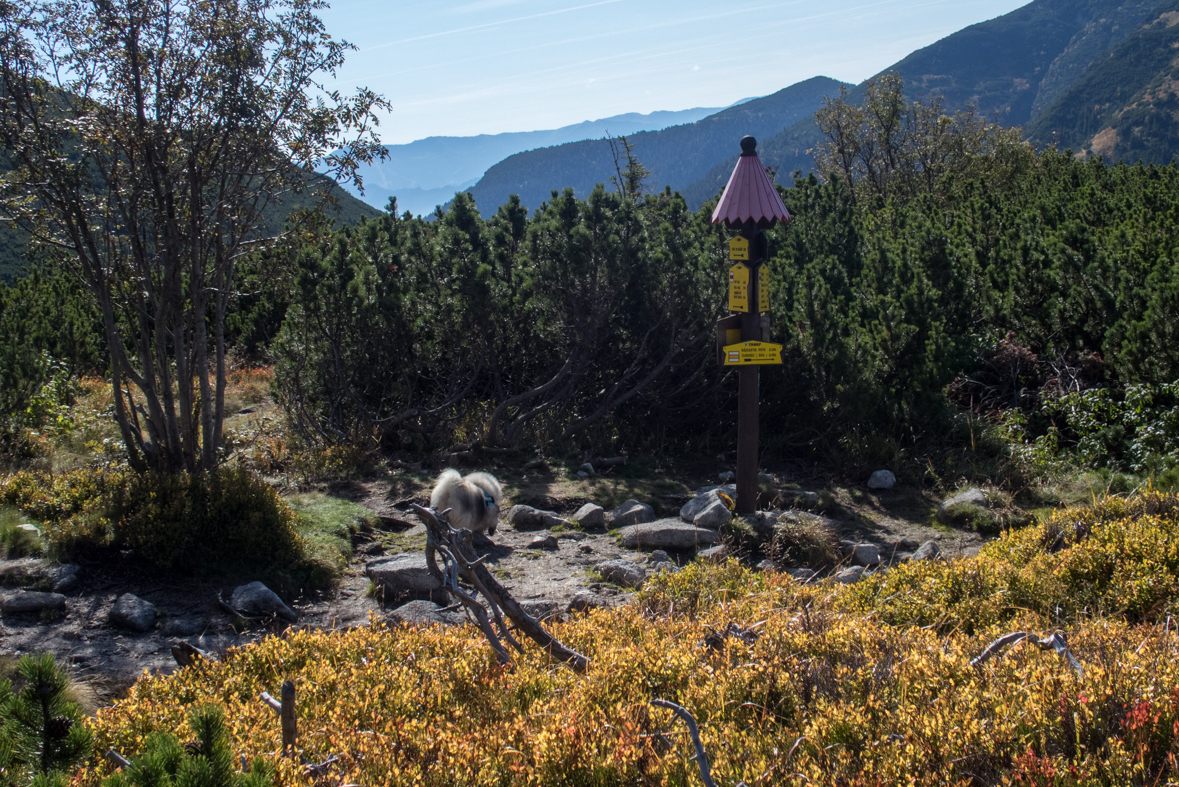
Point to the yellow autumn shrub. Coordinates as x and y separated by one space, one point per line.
822 695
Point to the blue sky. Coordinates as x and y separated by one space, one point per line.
489 66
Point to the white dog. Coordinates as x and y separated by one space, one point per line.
473 501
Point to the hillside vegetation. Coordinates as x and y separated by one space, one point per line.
791 684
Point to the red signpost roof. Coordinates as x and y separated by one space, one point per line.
750 196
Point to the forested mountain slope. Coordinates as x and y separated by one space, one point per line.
1126 107
1006 68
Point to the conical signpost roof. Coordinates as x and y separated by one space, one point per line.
750 196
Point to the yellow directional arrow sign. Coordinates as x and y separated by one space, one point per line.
739 288
753 354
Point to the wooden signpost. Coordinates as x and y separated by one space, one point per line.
751 205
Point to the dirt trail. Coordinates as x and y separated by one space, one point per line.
543 580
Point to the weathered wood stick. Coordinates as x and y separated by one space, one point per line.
117 758
290 724
442 533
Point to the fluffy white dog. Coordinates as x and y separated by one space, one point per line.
473 500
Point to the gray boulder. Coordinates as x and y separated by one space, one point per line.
714 516
666 534
622 572
632 512
865 554
424 613
132 612
590 515
257 599
927 551
548 542
715 554
65 578
728 489
882 479
850 575
796 498
658 556
587 601
949 510
529 518
404 573
25 602
802 574
728 477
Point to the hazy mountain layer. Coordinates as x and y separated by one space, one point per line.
676 156
427 172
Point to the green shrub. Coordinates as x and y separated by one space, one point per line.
227 520
804 539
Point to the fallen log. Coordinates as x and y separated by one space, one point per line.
460 560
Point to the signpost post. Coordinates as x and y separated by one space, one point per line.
751 205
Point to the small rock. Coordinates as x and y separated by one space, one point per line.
29 601
247 410
586 601
850 575
971 497
529 518
28 528
882 479
927 551
663 566
65 578
404 573
257 599
802 574
590 515
183 627
658 556
424 613
714 516
767 565
632 512
548 542
132 612
715 554
727 477
865 554
540 610
622 572
795 498
691 509
586 548
666 534
582 474
587 468
765 480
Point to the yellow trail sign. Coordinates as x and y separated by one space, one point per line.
739 288
738 249
763 288
753 354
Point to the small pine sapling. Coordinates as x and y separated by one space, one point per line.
42 736
205 761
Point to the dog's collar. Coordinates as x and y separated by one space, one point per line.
488 500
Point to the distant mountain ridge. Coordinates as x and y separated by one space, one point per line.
1008 68
676 156
427 172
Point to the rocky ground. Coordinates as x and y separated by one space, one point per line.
559 555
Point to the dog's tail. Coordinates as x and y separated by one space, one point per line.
447 482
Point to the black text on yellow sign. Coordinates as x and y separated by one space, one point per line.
739 288
753 354
738 249
763 289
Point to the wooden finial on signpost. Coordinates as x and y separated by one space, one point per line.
751 205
